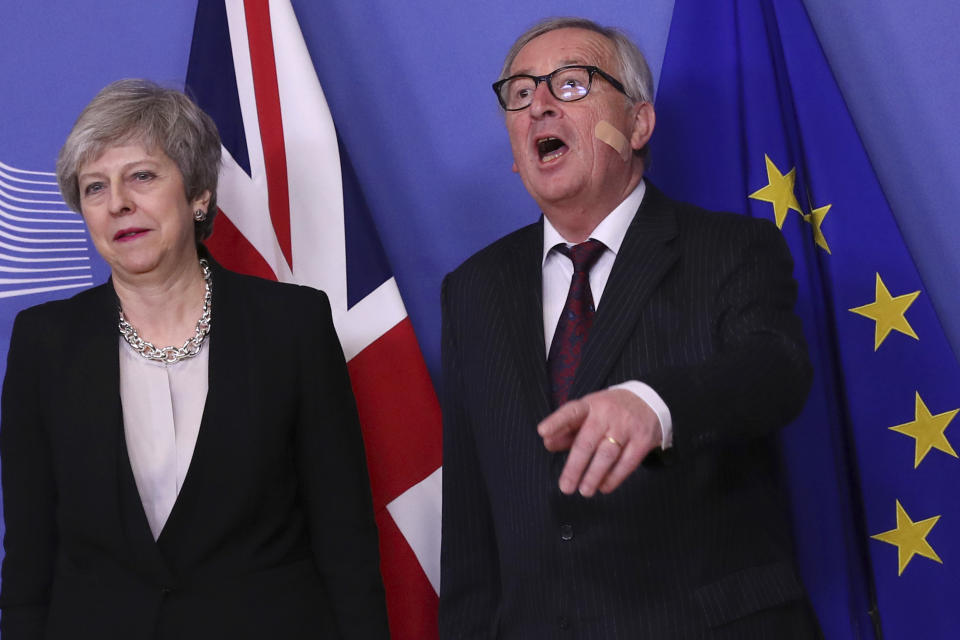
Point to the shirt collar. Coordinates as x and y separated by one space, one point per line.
611 229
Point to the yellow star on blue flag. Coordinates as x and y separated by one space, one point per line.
815 220
779 192
910 538
928 431
888 312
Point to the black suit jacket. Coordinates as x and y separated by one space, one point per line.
695 543
272 534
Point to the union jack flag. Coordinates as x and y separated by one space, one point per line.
291 210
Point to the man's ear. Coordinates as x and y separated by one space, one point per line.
644 119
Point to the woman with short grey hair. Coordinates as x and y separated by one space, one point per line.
163 119
212 488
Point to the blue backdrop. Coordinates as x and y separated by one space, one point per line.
423 127
408 86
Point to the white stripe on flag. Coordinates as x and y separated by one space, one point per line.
244 198
313 164
244 201
417 514
369 319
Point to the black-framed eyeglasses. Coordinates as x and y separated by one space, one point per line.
568 84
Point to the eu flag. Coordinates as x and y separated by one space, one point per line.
751 120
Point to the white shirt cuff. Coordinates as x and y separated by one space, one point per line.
646 393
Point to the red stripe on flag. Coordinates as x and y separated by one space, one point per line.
267 94
399 412
234 251
411 601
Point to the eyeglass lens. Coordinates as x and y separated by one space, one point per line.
565 84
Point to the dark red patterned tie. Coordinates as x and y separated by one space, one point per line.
575 320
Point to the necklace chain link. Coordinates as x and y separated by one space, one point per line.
191 346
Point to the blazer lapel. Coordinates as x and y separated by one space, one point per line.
645 256
115 501
97 376
227 379
521 282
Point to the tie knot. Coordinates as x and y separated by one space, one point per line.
583 255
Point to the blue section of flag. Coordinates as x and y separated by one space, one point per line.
367 266
745 80
212 81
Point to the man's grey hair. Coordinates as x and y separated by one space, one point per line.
633 72
139 111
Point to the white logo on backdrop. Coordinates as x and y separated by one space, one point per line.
43 245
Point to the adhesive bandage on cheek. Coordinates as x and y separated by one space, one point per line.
606 132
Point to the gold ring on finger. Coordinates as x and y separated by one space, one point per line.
613 440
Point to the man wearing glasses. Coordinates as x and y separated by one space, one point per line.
613 376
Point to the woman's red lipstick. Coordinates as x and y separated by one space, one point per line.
129 233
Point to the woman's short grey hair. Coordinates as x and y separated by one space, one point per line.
134 110
634 72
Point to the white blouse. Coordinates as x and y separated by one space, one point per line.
162 408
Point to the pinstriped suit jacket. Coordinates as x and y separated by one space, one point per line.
695 543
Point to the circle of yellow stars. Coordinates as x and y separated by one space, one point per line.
889 314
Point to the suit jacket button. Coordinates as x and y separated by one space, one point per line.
563 623
566 532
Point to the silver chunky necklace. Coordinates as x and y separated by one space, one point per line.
191 346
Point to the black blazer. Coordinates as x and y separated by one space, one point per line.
695 543
272 534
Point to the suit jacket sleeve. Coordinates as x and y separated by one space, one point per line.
332 466
469 575
29 494
758 376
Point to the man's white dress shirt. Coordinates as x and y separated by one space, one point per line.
558 272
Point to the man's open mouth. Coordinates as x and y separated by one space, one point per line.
551 148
